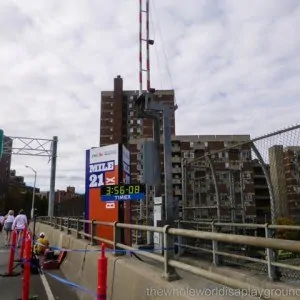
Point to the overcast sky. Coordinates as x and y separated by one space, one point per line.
234 66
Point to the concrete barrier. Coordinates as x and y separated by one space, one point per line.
128 278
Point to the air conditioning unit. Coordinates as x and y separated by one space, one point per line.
186 155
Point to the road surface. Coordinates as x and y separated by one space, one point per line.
42 286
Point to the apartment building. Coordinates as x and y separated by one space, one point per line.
233 170
292 174
119 122
197 198
68 202
5 162
16 179
262 195
278 179
285 176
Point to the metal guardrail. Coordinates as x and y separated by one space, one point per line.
268 265
76 226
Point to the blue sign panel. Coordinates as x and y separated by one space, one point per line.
135 197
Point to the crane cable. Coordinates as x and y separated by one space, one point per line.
156 53
164 48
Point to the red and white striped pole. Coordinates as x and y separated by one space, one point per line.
102 275
147 41
141 48
27 267
23 239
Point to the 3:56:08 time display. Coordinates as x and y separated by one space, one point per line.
122 189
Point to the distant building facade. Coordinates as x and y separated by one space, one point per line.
285 177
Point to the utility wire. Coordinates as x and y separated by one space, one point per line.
156 52
163 46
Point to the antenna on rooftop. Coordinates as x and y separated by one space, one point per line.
144 39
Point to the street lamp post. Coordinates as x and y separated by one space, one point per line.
33 193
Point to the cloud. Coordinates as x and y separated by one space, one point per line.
233 64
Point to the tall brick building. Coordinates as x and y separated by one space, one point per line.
5 163
120 124
285 176
234 176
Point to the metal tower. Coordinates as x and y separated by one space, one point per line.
144 39
150 109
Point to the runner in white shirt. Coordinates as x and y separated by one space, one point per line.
20 223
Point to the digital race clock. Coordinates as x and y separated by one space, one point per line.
122 192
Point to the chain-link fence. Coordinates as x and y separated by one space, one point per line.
247 181
250 181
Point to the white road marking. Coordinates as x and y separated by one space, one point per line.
46 285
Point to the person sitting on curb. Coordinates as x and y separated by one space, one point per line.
41 245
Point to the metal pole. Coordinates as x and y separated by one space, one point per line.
169 201
213 172
148 50
183 187
140 50
52 178
33 196
59 208
33 192
242 196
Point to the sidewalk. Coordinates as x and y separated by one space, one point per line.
11 287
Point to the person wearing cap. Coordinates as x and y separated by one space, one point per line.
41 245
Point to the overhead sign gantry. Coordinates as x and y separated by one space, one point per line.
33 147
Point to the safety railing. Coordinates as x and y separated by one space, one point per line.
287 264
173 237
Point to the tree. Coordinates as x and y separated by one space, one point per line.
20 197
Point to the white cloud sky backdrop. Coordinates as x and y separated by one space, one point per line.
234 66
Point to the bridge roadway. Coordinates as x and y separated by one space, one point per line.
43 286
